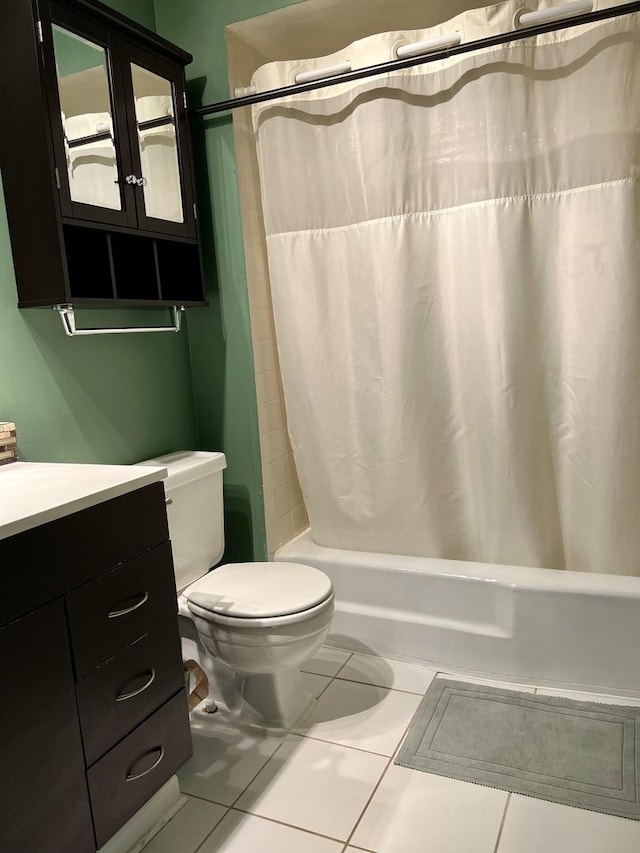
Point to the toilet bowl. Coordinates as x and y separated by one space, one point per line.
262 621
250 626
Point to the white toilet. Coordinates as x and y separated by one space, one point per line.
249 625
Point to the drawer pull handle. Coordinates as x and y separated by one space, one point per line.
122 697
131 777
114 614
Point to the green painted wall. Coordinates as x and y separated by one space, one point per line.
110 399
74 55
224 382
142 11
121 399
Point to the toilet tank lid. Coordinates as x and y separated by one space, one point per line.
260 590
185 466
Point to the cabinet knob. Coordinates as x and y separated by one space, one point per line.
134 180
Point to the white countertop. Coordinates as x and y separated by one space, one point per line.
33 493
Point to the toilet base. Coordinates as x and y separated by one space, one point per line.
192 649
273 703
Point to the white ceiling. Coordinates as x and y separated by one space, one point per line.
321 27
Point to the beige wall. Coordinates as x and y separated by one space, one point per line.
313 28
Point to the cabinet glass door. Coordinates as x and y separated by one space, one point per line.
86 113
157 145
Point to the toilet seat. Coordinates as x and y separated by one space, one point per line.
240 623
260 594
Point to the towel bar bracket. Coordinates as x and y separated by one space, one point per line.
68 319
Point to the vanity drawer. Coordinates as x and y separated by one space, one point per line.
62 554
122 693
109 613
122 781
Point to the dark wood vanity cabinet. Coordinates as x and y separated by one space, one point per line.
94 713
44 802
96 158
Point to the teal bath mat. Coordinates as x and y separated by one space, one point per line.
580 754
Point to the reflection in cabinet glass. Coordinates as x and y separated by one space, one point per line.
87 120
157 144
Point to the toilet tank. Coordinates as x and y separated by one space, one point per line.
195 510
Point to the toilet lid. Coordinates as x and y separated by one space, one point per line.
260 590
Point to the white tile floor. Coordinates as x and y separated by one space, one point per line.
332 787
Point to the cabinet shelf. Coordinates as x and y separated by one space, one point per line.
106 267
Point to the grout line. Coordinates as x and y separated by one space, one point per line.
250 782
195 849
205 800
331 678
366 805
213 828
378 783
321 674
233 806
339 677
327 685
255 776
289 825
504 820
382 686
342 745
339 670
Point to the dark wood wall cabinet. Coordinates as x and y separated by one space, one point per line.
94 715
96 159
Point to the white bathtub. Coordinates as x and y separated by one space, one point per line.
539 626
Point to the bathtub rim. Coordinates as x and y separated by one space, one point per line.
527 578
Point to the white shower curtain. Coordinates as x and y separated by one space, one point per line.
455 274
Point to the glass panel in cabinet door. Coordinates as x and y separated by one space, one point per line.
87 119
158 145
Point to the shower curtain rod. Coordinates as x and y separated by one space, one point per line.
410 62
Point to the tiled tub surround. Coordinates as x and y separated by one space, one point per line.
285 512
332 787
